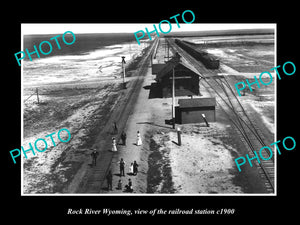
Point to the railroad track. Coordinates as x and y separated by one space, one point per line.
94 180
229 103
247 129
127 108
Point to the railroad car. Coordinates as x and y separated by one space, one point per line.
206 59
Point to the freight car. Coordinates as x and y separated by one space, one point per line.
206 59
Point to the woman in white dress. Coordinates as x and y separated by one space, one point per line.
139 139
114 145
131 169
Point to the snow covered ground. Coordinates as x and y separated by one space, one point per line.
202 163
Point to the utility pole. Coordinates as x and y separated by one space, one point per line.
175 60
168 50
165 46
123 66
173 97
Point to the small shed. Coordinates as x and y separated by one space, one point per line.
191 110
157 67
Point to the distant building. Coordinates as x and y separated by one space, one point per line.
186 79
190 110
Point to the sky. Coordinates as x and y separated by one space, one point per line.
57 28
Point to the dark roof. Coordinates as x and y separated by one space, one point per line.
169 66
196 102
157 67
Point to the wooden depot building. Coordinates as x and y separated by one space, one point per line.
190 110
186 79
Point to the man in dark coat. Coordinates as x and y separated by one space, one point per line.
135 168
123 137
94 157
115 128
122 167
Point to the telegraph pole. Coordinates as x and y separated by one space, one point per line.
168 54
168 50
123 66
173 97
175 60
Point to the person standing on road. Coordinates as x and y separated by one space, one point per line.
109 180
115 128
119 185
94 157
128 187
122 167
114 145
131 169
135 168
123 137
138 139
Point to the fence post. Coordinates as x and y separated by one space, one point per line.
179 136
203 116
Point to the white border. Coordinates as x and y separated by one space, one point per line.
138 27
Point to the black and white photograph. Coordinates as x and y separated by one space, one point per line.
149 111
107 112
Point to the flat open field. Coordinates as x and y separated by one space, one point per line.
241 53
83 107
245 58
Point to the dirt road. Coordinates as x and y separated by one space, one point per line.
92 177
148 116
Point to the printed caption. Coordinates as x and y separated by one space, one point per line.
151 212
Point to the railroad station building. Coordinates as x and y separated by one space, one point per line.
186 79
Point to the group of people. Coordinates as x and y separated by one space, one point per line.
123 138
133 168
128 187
